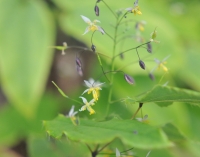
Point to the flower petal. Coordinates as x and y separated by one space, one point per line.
71 111
101 30
129 9
85 91
87 20
86 30
83 108
84 100
88 83
92 102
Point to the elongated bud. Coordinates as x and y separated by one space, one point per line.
149 47
142 65
79 70
98 1
96 9
78 62
129 79
151 76
93 47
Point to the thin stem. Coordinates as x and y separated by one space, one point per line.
88 147
109 36
140 106
127 150
138 54
103 147
117 100
75 101
104 55
110 9
132 49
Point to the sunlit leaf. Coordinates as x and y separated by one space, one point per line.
165 94
131 132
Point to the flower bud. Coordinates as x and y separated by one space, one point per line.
79 70
78 62
151 76
149 47
128 79
142 65
96 9
93 47
98 1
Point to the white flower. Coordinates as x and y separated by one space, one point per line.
144 119
117 152
71 112
92 25
161 64
93 87
87 105
135 9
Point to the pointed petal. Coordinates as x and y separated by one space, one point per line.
84 100
87 20
129 9
83 108
92 102
88 83
71 111
95 21
85 91
166 58
86 30
99 84
117 153
101 30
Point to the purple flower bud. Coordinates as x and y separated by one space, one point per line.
96 9
79 70
93 47
151 76
149 47
78 62
142 65
129 79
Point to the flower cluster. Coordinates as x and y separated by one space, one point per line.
93 87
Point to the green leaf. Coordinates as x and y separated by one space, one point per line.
55 148
26 32
164 95
173 133
131 132
60 90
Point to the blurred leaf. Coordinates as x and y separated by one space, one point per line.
173 133
44 147
144 136
60 90
165 94
26 32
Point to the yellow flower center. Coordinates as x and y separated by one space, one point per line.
95 92
93 27
136 10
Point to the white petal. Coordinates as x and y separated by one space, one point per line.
166 58
96 21
85 91
86 30
157 61
101 30
71 111
98 85
117 153
145 117
91 80
129 9
83 108
88 83
148 153
84 100
87 20
74 113
92 102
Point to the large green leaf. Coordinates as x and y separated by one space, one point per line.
165 94
131 132
26 33
44 147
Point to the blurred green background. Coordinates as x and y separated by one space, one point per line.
28 28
